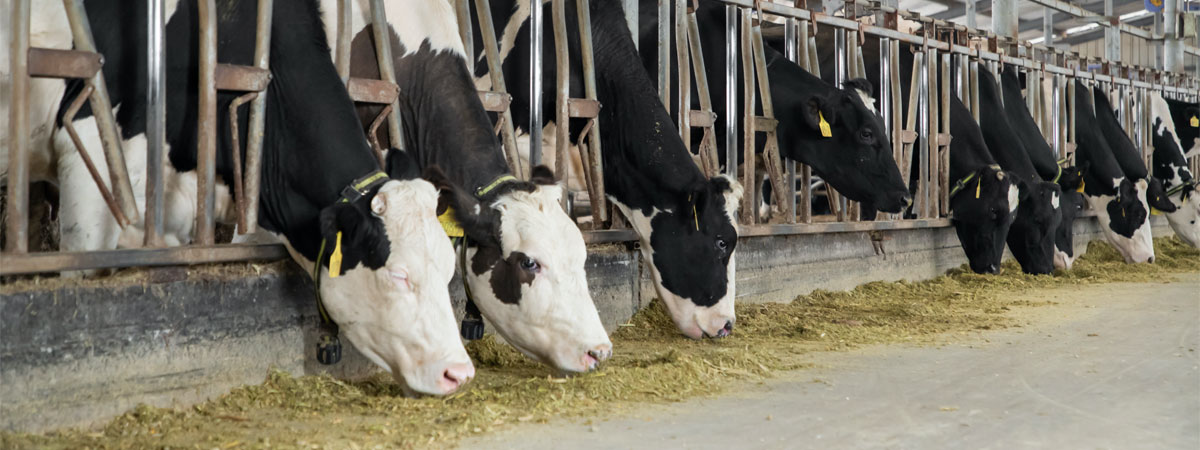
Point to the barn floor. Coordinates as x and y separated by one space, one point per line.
1108 366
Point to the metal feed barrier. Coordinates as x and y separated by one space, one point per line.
919 133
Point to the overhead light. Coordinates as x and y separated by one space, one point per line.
1037 40
1135 15
1081 29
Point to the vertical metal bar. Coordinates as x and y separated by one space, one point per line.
17 222
923 133
664 52
1070 88
1048 27
1004 18
535 85
595 162
206 126
974 88
487 30
1056 116
944 150
562 72
387 69
462 9
885 93
110 139
731 83
751 187
790 48
708 145
1112 35
631 18
342 52
839 45
258 111
156 123
971 14
684 104
804 214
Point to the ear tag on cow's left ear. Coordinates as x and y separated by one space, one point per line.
449 225
335 259
1195 122
1154 211
1080 188
978 186
825 131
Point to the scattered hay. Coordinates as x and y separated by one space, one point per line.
652 363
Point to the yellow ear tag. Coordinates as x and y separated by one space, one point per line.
449 225
978 185
1195 122
1155 212
335 259
1080 188
825 131
696 217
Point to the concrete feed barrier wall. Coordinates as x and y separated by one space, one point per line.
76 353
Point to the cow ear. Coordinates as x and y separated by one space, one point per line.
476 219
362 235
401 165
542 175
816 108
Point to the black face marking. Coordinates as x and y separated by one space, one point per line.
983 223
1031 238
510 273
1125 213
364 237
692 262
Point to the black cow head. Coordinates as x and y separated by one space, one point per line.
1031 238
982 210
525 270
857 156
389 293
1156 196
1070 207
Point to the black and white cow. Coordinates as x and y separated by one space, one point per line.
984 197
1170 165
1120 203
389 292
525 258
1187 122
1031 238
685 222
856 160
1042 157
1127 156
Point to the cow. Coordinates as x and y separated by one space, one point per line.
856 158
1127 156
524 257
371 242
1042 157
1031 237
1187 122
1120 203
1169 164
685 222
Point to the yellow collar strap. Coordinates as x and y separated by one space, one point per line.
494 184
359 187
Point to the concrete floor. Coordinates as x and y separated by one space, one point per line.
1109 367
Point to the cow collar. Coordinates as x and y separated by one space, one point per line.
1059 167
962 183
329 347
1181 188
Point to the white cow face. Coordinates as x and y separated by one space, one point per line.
1125 220
1185 221
392 299
525 271
689 250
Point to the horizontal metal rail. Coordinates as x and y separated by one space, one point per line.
48 262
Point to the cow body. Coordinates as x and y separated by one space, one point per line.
389 290
524 261
856 159
685 222
1120 203
1031 238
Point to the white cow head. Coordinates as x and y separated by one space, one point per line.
391 298
525 270
1170 165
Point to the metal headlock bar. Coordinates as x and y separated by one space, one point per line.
1055 111
587 108
487 31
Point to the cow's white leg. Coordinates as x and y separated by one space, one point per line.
85 222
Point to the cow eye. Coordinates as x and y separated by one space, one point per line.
530 265
722 245
866 135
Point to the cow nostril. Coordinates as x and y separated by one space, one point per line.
726 330
456 375
1151 260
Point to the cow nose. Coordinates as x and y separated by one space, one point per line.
456 375
726 330
1151 260
595 355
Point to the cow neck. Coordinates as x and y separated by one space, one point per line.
1036 148
314 146
1001 138
444 120
1127 157
796 141
1093 148
968 151
643 153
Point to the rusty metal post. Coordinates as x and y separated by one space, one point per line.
462 9
156 123
387 68
345 20
562 72
17 222
487 30
791 49
258 109
594 163
664 52
206 151
684 102
110 139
